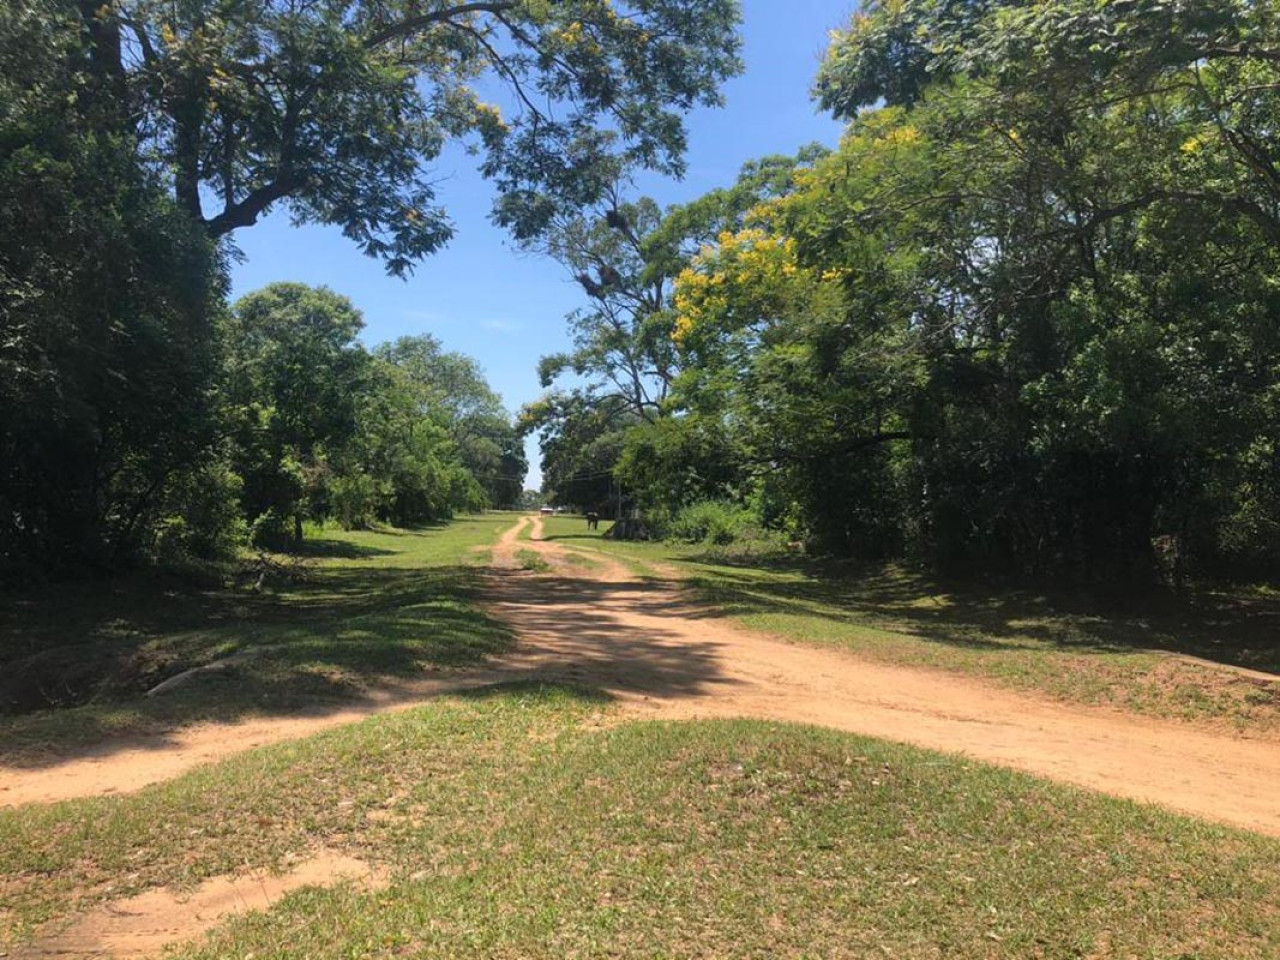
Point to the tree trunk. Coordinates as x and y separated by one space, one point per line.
629 528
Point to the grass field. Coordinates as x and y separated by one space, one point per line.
513 823
347 610
1078 648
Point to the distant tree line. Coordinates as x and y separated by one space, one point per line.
140 415
318 427
1025 319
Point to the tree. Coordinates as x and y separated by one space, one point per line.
626 256
1022 320
622 340
295 376
401 466
581 442
324 429
336 107
1110 217
451 389
107 300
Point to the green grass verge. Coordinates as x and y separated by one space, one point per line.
1073 647
514 825
348 610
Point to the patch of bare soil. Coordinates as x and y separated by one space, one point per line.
664 655
144 925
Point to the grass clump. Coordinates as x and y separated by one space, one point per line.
532 560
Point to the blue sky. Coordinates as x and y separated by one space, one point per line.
483 297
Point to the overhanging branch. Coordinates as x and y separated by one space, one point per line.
410 26
246 212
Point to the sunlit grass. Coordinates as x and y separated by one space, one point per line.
516 824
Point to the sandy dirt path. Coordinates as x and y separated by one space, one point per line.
663 655
130 763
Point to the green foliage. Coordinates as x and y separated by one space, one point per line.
626 257
715 522
1024 319
336 108
203 517
680 460
353 499
581 441
294 375
107 295
272 530
450 390
324 429
122 123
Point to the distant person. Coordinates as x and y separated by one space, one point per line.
593 520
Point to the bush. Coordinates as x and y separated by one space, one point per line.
204 521
716 522
355 499
272 530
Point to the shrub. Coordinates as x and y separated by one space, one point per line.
272 530
716 522
204 521
355 499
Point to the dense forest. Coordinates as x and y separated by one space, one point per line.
144 418
1022 320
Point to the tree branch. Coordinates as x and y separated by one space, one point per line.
412 25
246 212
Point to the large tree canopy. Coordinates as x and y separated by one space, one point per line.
1024 319
625 256
337 107
107 293
1196 80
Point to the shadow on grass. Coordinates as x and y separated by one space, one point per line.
342 549
72 673
1238 629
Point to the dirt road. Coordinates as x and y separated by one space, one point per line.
665 656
